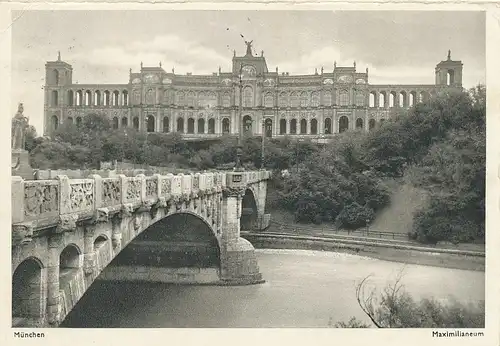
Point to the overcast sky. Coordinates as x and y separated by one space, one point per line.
398 47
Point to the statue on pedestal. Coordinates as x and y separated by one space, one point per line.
20 124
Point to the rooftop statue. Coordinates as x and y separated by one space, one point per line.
249 47
20 124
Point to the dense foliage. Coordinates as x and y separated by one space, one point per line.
437 145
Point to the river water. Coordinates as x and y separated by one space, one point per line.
303 289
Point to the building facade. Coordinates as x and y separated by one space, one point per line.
271 103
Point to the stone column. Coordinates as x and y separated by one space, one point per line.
53 297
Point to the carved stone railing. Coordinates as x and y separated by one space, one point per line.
45 203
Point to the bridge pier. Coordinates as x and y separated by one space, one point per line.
238 260
53 294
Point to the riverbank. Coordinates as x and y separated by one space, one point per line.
388 251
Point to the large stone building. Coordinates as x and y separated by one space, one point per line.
272 102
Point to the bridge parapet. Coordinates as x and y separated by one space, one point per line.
43 203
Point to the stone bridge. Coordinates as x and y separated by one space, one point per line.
163 228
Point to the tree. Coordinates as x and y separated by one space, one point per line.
395 308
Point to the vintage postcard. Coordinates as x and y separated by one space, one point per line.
198 173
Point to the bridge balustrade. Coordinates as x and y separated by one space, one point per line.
43 201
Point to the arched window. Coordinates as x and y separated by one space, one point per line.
247 125
343 98
226 100
248 97
359 124
315 99
282 126
294 99
268 100
226 125
190 125
314 127
150 120
115 123
201 125
180 125
268 127
372 101
88 98
55 77
135 122
371 124
343 124
107 97
70 120
71 97
78 121
402 99
190 99
422 96
55 97
411 99
180 98
450 77
124 122
97 98
382 99
125 97
150 97
293 126
392 99
79 97
304 99
328 126
283 99
211 125
55 122
327 98
360 99
166 124
303 126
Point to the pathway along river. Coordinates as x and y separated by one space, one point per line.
303 289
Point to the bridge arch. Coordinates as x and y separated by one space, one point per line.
249 210
179 240
28 294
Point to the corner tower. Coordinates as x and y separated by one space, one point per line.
58 76
449 72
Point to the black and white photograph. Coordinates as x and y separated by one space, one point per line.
248 169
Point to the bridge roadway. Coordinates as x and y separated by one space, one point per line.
65 232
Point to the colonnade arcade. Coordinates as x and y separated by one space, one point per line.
288 125
402 98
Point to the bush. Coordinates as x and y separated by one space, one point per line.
395 308
354 216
